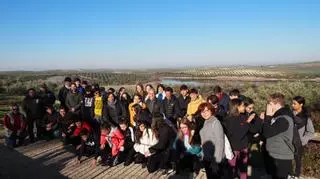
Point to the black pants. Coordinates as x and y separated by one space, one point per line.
140 159
212 169
298 161
40 129
74 140
278 169
188 161
158 161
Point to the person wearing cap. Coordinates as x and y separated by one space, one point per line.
64 91
46 95
195 101
15 127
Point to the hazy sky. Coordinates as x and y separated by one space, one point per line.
64 34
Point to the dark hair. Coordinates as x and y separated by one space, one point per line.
111 90
110 93
234 92
88 88
213 98
300 100
233 107
207 105
141 86
217 89
248 101
160 85
76 118
277 98
138 133
193 90
149 86
67 79
139 95
120 89
63 108
169 89
105 126
123 121
77 79
83 132
85 82
183 87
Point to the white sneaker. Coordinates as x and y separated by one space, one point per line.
99 159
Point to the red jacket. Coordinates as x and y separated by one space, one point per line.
115 139
18 122
79 129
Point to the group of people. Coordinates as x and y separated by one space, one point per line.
163 131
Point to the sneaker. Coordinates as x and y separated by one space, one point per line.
99 159
144 165
170 171
127 163
115 161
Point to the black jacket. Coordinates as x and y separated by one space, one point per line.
154 107
129 138
63 95
87 108
166 137
112 114
88 147
236 129
170 108
33 107
48 98
183 104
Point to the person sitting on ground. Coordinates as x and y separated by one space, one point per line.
115 140
159 154
77 126
186 148
64 122
104 150
128 134
87 146
51 123
15 127
144 140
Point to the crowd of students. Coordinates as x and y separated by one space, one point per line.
166 132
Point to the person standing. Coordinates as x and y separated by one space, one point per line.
278 130
34 109
64 92
74 100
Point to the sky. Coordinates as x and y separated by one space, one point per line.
60 34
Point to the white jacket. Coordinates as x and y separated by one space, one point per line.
145 142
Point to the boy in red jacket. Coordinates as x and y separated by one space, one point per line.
110 138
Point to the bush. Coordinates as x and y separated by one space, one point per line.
311 160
